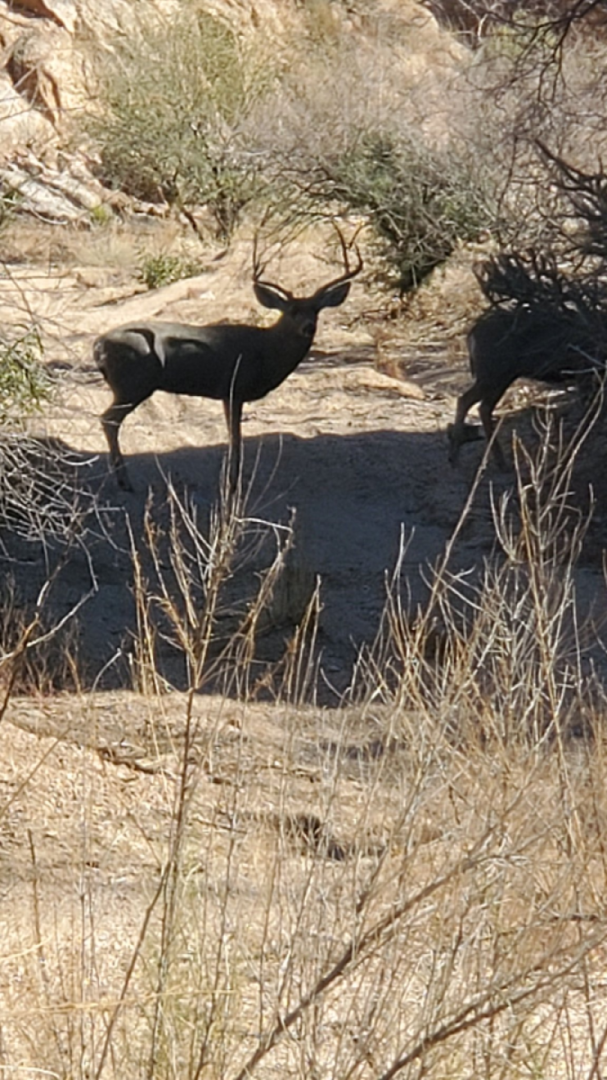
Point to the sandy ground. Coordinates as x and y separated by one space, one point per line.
358 456
88 779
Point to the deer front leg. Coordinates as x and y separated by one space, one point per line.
233 415
486 413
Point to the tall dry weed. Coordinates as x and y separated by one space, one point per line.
410 885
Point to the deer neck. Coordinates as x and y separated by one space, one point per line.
285 348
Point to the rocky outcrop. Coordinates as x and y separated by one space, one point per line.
48 50
22 125
63 12
54 195
40 81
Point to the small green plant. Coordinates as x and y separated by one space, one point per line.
158 270
9 201
100 215
24 383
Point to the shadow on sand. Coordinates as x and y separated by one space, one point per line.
351 497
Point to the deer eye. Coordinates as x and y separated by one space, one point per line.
307 325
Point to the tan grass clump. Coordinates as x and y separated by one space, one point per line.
410 885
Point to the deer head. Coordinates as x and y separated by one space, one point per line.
303 311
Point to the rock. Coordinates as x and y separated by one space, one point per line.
25 66
47 72
23 127
63 12
55 196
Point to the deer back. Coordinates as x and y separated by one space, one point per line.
550 345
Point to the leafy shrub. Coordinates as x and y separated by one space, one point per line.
353 135
420 201
9 201
174 137
211 133
159 270
100 215
24 383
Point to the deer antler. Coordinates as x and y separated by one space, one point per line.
349 273
259 269
259 266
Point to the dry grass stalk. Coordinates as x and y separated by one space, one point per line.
411 886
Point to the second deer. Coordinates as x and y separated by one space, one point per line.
504 344
229 362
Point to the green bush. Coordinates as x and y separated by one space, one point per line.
172 99
9 202
158 270
206 134
422 202
24 383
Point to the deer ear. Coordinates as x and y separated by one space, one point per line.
331 296
270 296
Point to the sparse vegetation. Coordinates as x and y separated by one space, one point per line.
422 203
175 139
351 139
159 270
101 215
212 877
412 883
207 136
24 383
36 656
9 199
43 504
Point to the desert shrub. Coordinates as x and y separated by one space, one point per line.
9 201
478 18
532 81
44 496
334 125
347 128
158 270
496 651
212 595
421 202
566 273
175 138
24 383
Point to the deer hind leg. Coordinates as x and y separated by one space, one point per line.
459 432
233 415
110 422
132 378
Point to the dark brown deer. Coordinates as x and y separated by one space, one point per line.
551 345
229 362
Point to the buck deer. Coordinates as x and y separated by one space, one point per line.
228 362
504 344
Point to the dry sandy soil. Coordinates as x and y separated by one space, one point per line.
358 455
88 779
